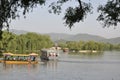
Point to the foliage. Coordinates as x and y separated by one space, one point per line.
109 13
90 45
76 14
24 43
9 9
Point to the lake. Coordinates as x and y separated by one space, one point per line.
102 66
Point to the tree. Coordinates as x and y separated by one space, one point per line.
109 13
9 9
6 38
21 44
24 43
12 45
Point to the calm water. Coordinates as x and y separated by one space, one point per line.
104 66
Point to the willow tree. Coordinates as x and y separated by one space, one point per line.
109 13
6 39
21 44
12 45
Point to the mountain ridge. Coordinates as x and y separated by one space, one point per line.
56 37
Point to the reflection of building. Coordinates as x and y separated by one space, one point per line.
52 65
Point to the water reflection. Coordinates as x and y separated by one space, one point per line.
88 54
19 66
68 67
91 58
51 64
90 62
83 56
48 64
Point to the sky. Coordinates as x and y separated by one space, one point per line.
41 21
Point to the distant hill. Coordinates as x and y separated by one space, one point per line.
59 36
85 37
77 37
62 37
18 32
113 40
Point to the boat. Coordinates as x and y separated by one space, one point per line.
9 58
49 54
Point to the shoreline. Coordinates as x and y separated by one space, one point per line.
87 51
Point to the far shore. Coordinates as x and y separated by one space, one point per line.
86 51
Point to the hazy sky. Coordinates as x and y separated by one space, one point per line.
40 20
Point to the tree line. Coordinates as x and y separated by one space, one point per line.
33 42
89 45
24 43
